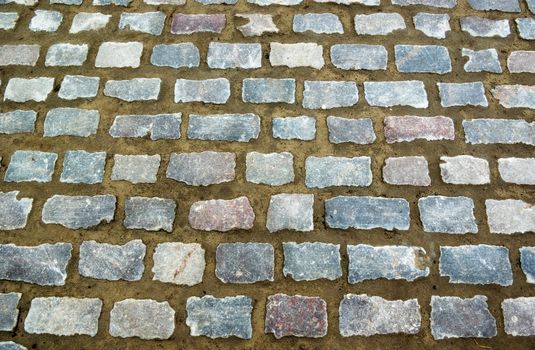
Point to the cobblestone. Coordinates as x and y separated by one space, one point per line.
78 86
379 23
521 62
179 263
433 3
527 261
9 345
462 94
517 170
202 169
296 55
442 214
191 23
137 89
485 28
294 128
9 312
515 96
330 94
311 261
489 5
64 54
396 93
157 127
272 169
89 21
290 211
322 172
207 91
526 28
119 55
222 215
79 212
24 90
510 216
482 61
518 316
135 168
18 121
19 55
71 122
413 171
433 25
45 21
8 20
31 166
14 212
255 90
258 24
498 131
409 128
183 55
244 262
151 214
227 55
422 59
224 127
357 131
147 22
319 23
465 170
359 56
83 167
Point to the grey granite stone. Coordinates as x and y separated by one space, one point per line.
71 122
224 127
521 62
349 2
379 23
8 311
294 128
258 24
164 2
179 263
244 262
517 170
217 2
83 167
498 5
526 27
465 170
531 6
408 128
412 170
78 86
34 166
442 214
112 262
151 214
183 23
183 55
358 131
8 20
146 22
234 55
19 55
215 91
396 93
79 212
485 28
275 2
17 121
485 60
119 54
20 2
433 25
422 59
311 261
9 345
449 4
290 211
510 216
202 169
319 23
157 126
330 94
32 89
222 214
527 261
296 55
124 3
137 89
272 169
141 168
45 21
88 21
64 54
322 172
519 316
66 2
462 94
515 96
261 90
45 264
504 131
14 212
359 56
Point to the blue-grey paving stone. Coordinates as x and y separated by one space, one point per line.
485 60
526 27
137 89
220 317
45 264
83 167
422 59
447 214
66 2
71 122
484 27
408 170
202 169
157 126
272 169
367 213
147 22
260 90
151 214
234 55
164 2
88 21
311 261
464 170
379 23
244 262
32 89
434 25
319 23
224 127
64 54
462 94
363 315
31 166
519 316
510 216
290 211
275 2
294 128
358 131
183 55
79 212
8 20
78 86
45 21
215 91
214 2
527 261
9 345
295 55
258 24
119 54
139 168
367 262
124 3
359 56
506 131
14 212
330 94
476 264
20 55
112 262
498 5
515 96
433 3
453 317
322 172
396 93
531 5
8 311
17 121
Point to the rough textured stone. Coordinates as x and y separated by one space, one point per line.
349 2
88 21
358 131
20 2
396 93
63 316
224 127
521 62
157 126
319 23
45 21
14 212
275 2
76 212
482 61
32 89
519 316
8 20
290 211
179 263
146 22
19 55
258 24
137 89
294 128
124 3
453 317
9 345
119 54
151 214
198 23
45 264
183 55
505 131
526 27
517 170
164 2
202 169
78 86
222 215
272 169
17 121
465 170
142 318
296 315
135 168
215 91
359 56
364 212
66 2
515 96
83 167
486 28
296 55
362 315
379 23
498 5
447 214
322 172
330 94
260 90
413 171
245 262
527 260
531 6
476 264
462 94
311 261
8 311
234 55
410 128
71 122
433 3
220 317
422 59
510 216
64 54
217 2
28 166
434 25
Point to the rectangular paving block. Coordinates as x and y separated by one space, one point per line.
330 94
319 23
145 22
296 55
521 62
442 214
202 169
433 25
409 128
137 89
311 261
88 21
150 214
495 5
294 128
272 169
515 96
8 20
17 121
156 126
517 170
183 23
9 312
31 166
234 55
412 170
464 170
78 86
257 25
71 122
222 215
215 91
527 262
345 130
275 2
19 55
65 54
124 3
14 212
83 167
119 54
224 127
32 89
462 94
510 216
396 93
447 4
45 21
78 212
261 90
379 23
322 172
499 131
359 57
179 263
519 316
182 55
290 211
422 59
244 262
44 264
485 60
140 168
526 27
485 28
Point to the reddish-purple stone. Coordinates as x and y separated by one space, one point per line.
409 128
188 24
222 215
296 315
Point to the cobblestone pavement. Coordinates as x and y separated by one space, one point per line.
267 174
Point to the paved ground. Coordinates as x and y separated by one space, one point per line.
267 174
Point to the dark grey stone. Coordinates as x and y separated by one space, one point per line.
422 59
396 93
527 260
462 94
272 169
183 55
224 127
78 212
71 122
447 214
202 169
290 211
27 166
78 86
207 91
157 126
505 131
267 90
244 262
519 316
137 89
14 212
8 311
294 128
146 22
322 172
151 214
359 56
482 61
18 121
358 131
319 23
330 94
484 27
83 167
498 5
311 261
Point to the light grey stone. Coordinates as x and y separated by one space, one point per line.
78 86
45 21
146 22
462 94
515 96
135 168
183 23
526 28
245 263
9 345
179 263
83 167
8 311
222 214
20 2
119 54
14 212
322 172
294 128
449 4
234 55
275 2
65 54
519 316
202 169
434 25
442 214
31 89
319 23
485 28
164 2
183 55
291 211
8 20
18 121
87 21
20 55
258 24
151 214
79 212
224 127
34 166
71 122
296 55
216 2
396 93
261 90
531 6
520 171
330 94
496 131
311 261
359 56
358 131
157 126
66 2
465 170
521 62
510 216
379 23
215 91
482 61
349 2
527 262
408 128
413 171
498 5
137 89
422 59
124 3
272 169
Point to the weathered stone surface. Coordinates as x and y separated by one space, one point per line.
179 263
76 212
9 345
222 215
258 24
119 54
124 3
275 2
527 261
498 5
330 94
482 61
322 172
151 214
63 316
71 122
260 90
78 86
234 55
215 91
64 54
20 55
164 2
453 317
290 211
220 317
17 121
146 22
526 27
517 170
31 166
112 262
272 169
87 21
409 128
198 23
396 93
245 262
433 3
157 126
294 128
413 171
519 316
202 169
510 216
216 2
379 23
442 214
296 55
142 318
183 55
515 96
83 167
66 2
8 20
462 94
135 168
359 56
8 311
20 2
365 212
434 25
484 27
531 5
476 264
45 264
296 315
319 23
422 59
311 261
14 212
358 131
32 89
137 89
465 170
506 131
362 315
521 62
224 127
45 21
